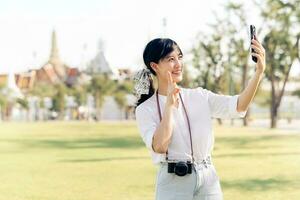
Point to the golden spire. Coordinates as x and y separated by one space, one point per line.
54 59
54 56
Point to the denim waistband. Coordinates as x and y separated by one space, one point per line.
206 161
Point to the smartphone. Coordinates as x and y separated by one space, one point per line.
253 36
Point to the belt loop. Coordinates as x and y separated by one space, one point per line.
206 161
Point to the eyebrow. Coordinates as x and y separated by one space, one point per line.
180 54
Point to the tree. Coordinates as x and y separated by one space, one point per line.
42 90
79 92
186 78
59 99
238 49
208 59
282 47
122 89
3 103
101 85
296 93
120 98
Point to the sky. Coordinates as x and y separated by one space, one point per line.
125 27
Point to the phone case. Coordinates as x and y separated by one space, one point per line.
253 36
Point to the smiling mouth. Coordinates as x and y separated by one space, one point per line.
177 72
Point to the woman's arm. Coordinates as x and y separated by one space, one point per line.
247 95
163 133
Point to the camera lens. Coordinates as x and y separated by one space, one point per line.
181 169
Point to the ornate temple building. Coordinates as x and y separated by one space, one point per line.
55 71
52 72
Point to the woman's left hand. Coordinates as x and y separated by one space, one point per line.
260 55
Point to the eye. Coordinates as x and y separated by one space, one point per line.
171 59
180 57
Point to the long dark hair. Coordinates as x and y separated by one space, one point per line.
156 50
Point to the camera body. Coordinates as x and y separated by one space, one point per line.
253 36
180 168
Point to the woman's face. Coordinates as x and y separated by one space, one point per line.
172 63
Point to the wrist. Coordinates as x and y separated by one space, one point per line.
259 74
168 105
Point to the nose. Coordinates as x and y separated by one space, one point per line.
178 64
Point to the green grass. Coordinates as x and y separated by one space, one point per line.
89 161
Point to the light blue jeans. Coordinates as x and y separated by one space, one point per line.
202 184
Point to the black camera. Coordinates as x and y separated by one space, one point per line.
180 168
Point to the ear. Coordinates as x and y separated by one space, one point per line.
154 66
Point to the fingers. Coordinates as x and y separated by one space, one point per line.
256 49
254 41
170 79
176 96
258 56
176 90
258 44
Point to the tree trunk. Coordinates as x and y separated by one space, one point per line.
246 118
273 105
273 116
98 107
98 114
244 84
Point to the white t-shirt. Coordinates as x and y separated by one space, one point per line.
201 105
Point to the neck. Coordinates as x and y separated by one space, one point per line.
163 88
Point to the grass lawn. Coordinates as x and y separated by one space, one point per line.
108 161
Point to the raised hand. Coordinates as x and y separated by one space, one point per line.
260 55
172 92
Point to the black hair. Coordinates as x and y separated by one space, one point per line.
154 51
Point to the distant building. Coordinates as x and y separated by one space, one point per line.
3 79
26 80
99 64
54 71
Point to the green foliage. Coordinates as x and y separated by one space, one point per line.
120 98
59 98
281 42
43 90
296 93
280 54
126 86
122 89
186 79
101 85
3 100
79 92
221 56
22 102
208 60
263 98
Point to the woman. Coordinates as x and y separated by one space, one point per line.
176 123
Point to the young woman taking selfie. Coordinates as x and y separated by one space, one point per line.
176 123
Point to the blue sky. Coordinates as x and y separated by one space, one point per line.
124 26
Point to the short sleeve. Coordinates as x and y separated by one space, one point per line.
223 106
146 125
